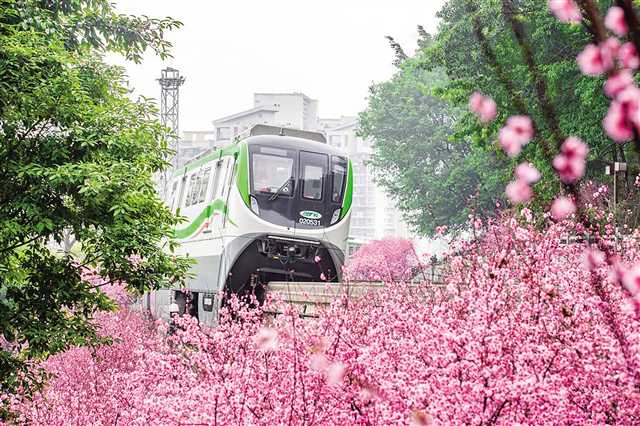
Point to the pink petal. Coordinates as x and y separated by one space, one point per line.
335 373
562 208
266 339
573 147
618 82
615 21
484 107
595 60
628 56
617 122
509 141
527 173
593 258
631 279
518 191
522 127
565 10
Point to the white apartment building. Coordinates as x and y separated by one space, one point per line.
295 110
374 214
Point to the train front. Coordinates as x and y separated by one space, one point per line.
294 200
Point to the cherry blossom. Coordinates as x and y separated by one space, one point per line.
615 21
617 82
628 56
508 140
266 339
631 279
522 127
484 107
527 173
517 132
595 60
593 258
562 208
515 319
519 191
570 162
565 10
622 115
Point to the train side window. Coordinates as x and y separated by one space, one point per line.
338 175
204 185
216 180
225 182
314 167
182 192
192 184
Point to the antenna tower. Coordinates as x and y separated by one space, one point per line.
170 82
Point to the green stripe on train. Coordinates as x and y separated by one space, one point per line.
217 206
348 196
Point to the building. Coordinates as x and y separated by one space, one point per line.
374 215
295 110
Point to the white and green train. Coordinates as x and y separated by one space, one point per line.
273 206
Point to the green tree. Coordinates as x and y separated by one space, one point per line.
455 52
76 155
436 178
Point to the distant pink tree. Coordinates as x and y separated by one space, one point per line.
383 260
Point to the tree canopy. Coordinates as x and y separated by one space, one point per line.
438 81
77 156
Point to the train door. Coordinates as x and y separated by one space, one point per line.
313 191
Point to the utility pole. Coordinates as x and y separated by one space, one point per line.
170 82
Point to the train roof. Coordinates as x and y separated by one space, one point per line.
283 139
292 142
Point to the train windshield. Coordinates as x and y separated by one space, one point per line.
339 178
271 169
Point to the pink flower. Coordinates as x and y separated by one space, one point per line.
592 258
266 339
569 170
420 418
574 148
519 191
615 21
509 141
565 10
623 114
323 277
441 230
562 208
570 163
522 127
594 60
628 56
515 134
483 106
611 46
618 82
317 259
318 362
335 373
527 173
631 279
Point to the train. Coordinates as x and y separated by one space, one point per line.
274 205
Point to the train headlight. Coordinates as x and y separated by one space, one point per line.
254 206
335 217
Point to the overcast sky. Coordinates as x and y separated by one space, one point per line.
228 49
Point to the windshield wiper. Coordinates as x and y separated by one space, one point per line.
284 185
